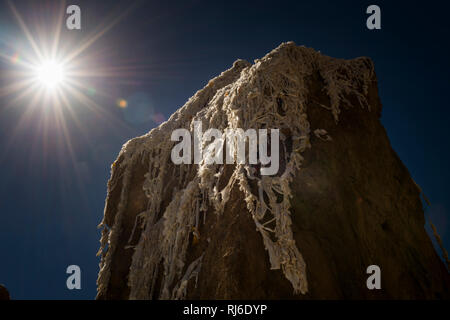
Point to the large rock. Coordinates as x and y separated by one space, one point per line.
342 199
4 294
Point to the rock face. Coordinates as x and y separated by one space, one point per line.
341 201
4 294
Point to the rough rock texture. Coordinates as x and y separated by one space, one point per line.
4 294
341 201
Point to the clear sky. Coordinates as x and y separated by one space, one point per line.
54 165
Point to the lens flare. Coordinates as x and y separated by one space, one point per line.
122 103
15 58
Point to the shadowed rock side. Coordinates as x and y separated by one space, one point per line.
341 201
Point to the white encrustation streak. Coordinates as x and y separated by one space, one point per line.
179 292
272 93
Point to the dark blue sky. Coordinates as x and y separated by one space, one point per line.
156 57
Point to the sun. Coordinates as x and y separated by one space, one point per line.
50 74
43 73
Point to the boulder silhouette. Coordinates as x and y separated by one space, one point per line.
4 294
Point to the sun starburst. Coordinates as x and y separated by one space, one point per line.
49 78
